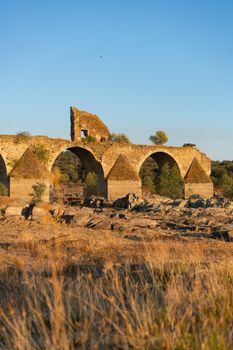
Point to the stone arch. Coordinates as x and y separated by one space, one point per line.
4 179
90 163
161 158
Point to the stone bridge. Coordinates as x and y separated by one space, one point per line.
117 165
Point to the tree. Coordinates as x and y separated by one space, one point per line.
160 138
38 191
121 138
169 182
91 185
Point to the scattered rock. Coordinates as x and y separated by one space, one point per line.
96 202
143 222
13 211
133 237
41 211
127 202
224 235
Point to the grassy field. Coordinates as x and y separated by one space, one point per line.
100 291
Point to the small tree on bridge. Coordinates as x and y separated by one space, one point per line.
160 138
120 138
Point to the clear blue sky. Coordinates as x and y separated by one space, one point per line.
166 64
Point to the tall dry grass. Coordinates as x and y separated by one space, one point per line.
170 299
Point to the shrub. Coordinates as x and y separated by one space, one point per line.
90 185
120 138
88 139
160 138
38 191
41 152
13 163
3 190
22 136
169 182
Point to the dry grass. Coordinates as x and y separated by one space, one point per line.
100 291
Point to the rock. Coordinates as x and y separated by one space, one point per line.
82 216
97 223
122 216
143 222
196 201
119 226
27 212
41 211
133 237
183 204
13 211
96 202
55 210
224 235
147 207
127 202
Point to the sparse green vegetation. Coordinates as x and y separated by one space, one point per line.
88 139
22 136
41 152
3 190
222 176
38 191
13 163
120 138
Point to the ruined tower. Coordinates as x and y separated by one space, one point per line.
84 124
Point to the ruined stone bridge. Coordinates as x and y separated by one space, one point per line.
117 165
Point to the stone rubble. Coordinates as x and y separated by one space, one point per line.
195 217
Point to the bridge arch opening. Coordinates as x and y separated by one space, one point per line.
160 174
4 180
76 176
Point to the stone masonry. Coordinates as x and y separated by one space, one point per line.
117 165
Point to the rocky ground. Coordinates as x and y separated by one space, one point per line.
114 231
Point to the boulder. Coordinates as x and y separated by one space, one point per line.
142 222
96 202
97 223
225 235
127 202
41 211
196 201
147 207
13 211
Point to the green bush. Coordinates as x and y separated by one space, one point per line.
120 138
222 177
88 139
160 138
3 190
22 136
70 167
91 185
38 191
169 182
